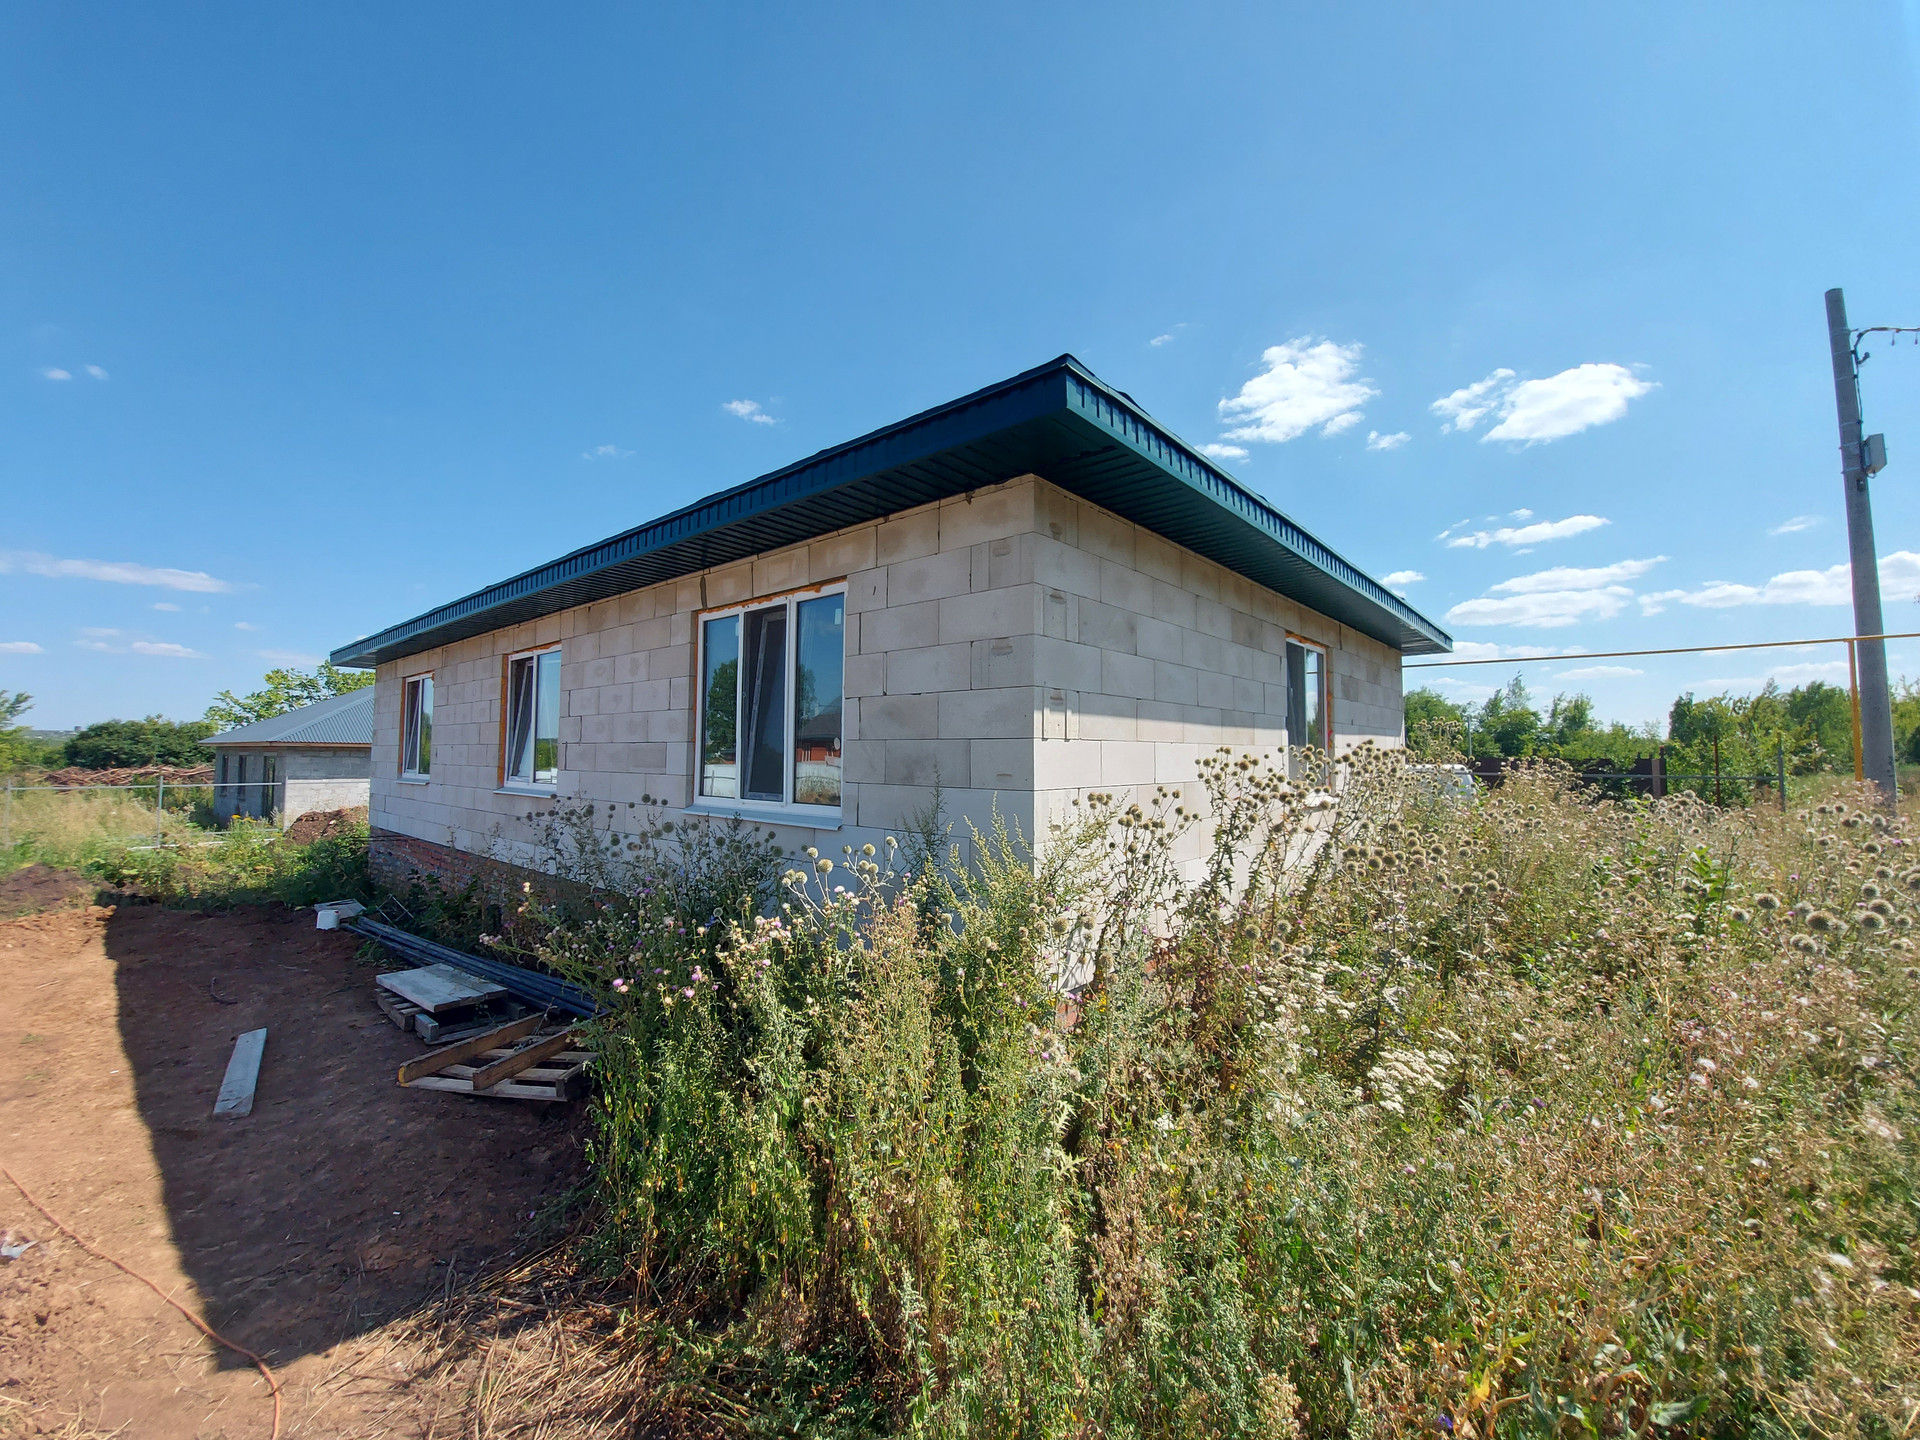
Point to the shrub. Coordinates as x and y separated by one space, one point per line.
1357 1111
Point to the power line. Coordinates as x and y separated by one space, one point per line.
1675 650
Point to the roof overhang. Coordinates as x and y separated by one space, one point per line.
1057 421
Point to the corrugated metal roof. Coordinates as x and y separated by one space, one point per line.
1057 421
339 720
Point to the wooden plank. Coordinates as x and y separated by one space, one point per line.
440 987
400 1012
438 1060
498 1070
243 1074
505 1090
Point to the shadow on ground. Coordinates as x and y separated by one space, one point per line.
343 1199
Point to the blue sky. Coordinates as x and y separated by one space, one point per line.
313 317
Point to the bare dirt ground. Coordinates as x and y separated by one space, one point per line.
341 1202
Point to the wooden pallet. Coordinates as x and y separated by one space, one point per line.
513 1062
400 1012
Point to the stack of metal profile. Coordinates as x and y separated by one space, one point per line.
543 992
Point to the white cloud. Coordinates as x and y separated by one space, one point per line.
1453 527
1306 384
1377 441
1468 405
1598 672
97 645
118 572
1400 579
166 648
245 625
1224 452
1160 340
1567 577
1899 579
20 647
1522 514
1535 534
291 657
97 633
165 605
749 410
1536 411
605 452
97 372
1488 650
1795 525
54 372
1544 610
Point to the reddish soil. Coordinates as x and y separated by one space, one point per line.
341 1202
320 824
40 887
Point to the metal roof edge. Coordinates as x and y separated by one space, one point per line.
1030 395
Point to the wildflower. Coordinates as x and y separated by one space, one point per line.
1822 922
823 865
868 850
1767 900
688 992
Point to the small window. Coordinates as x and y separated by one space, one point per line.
269 785
416 727
1306 696
533 719
770 701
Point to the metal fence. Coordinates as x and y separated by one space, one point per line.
1649 775
160 788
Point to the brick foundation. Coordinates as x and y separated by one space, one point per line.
397 861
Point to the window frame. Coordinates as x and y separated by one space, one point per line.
787 808
1325 652
269 784
510 783
411 686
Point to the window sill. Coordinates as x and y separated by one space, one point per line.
530 792
813 817
415 780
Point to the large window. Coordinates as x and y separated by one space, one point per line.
533 719
770 682
416 728
269 785
1306 696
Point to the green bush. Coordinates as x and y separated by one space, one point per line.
112 744
252 862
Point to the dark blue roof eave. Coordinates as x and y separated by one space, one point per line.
1057 421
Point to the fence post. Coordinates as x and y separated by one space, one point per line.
159 813
1780 771
1716 770
9 812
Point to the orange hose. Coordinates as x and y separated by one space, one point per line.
199 1324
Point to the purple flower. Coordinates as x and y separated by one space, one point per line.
1444 1421
688 992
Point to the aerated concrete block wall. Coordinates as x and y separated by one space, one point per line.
1006 650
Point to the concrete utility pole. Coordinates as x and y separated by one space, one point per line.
1876 706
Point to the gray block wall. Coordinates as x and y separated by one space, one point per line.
1014 648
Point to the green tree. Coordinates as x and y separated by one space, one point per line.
1505 723
1436 726
111 744
18 748
282 691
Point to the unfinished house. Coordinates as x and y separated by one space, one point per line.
316 758
1020 596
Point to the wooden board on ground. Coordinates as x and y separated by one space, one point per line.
400 1012
504 1036
435 988
507 1065
243 1074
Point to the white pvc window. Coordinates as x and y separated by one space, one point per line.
533 719
1307 708
771 682
416 728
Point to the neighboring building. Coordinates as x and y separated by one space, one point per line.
314 758
1020 596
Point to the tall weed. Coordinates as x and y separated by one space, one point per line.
1389 1114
